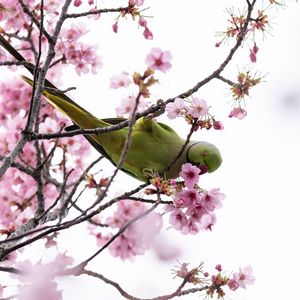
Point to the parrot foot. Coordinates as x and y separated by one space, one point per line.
161 109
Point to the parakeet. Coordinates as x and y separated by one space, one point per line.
153 145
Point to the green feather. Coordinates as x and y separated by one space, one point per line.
153 145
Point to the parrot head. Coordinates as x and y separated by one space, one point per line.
204 155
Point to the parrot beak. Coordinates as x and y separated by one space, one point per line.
203 169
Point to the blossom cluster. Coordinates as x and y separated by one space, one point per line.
69 50
193 208
73 52
18 189
216 283
196 109
38 280
156 60
138 237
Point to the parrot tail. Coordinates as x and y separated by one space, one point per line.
75 112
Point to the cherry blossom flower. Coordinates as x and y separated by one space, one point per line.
178 219
190 174
238 113
139 236
136 2
174 109
128 105
218 125
208 220
212 199
159 60
233 284
183 270
244 276
198 108
118 81
190 197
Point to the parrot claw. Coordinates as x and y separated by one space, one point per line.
162 107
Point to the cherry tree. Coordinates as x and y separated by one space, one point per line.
52 180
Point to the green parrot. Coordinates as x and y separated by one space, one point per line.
153 145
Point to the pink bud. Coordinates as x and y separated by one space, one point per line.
148 34
77 3
218 267
218 125
115 27
142 22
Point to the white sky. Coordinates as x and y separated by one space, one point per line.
258 223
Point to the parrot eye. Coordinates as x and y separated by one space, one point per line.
204 154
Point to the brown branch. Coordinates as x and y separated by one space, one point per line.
178 292
96 12
34 20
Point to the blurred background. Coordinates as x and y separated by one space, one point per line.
258 224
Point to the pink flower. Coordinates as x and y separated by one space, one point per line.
190 197
233 284
136 2
183 270
174 109
218 125
118 81
212 199
190 174
128 105
208 220
178 219
238 113
244 276
198 108
159 60
148 33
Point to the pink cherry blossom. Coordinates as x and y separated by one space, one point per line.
233 284
174 109
139 236
198 108
238 113
212 199
128 105
192 226
208 220
218 125
183 270
178 219
136 2
244 276
190 174
118 81
159 60
190 197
